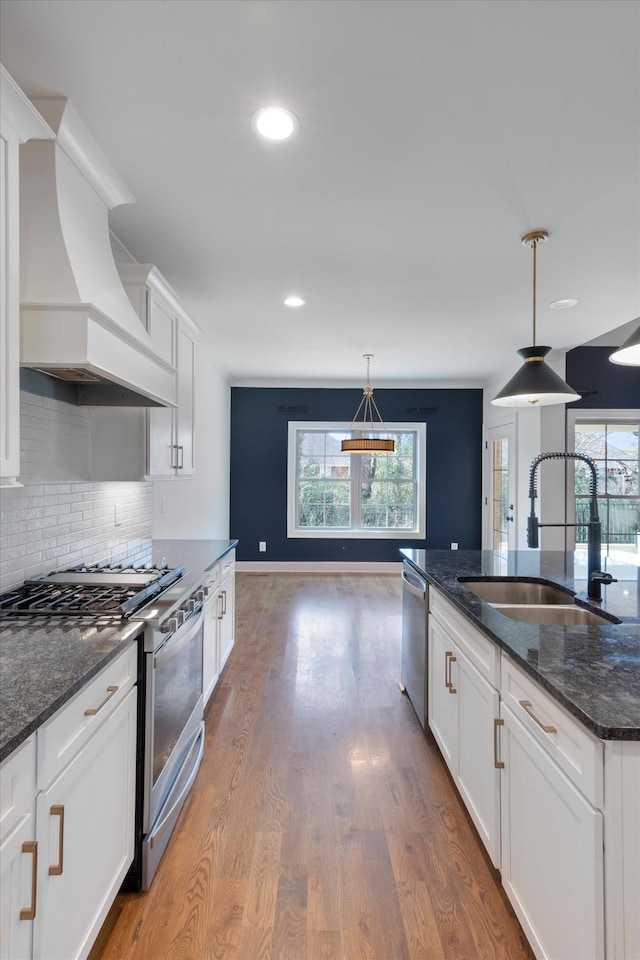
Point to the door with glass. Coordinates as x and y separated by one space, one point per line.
500 487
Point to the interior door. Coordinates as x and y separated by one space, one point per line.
500 487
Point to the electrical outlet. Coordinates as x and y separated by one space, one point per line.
163 504
117 514
262 546
454 546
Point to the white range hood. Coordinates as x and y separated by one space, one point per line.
77 323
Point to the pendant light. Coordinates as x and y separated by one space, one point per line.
629 352
368 442
535 383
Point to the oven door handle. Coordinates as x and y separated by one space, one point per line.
179 639
158 828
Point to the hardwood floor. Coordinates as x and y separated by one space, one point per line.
323 824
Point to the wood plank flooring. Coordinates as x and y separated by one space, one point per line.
323 824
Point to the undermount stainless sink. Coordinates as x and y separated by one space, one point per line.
517 591
563 615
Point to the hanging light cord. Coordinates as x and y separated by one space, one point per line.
535 247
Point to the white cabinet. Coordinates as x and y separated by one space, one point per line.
170 431
463 713
19 122
227 607
219 621
18 852
552 834
66 849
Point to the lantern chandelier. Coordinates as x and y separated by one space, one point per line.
367 441
535 383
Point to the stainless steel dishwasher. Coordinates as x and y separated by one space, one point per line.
414 639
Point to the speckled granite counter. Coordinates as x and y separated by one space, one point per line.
594 672
44 662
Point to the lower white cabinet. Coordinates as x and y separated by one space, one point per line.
219 622
18 852
463 707
552 864
68 820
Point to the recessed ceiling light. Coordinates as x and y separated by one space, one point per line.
275 123
294 302
562 304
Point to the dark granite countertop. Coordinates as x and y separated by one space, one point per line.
594 672
45 661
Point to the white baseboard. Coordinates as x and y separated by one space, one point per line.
338 566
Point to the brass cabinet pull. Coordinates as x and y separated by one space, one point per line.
224 603
91 712
30 846
220 607
452 659
499 764
57 810
527 707
447 682
180 465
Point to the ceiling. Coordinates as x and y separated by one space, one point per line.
433 134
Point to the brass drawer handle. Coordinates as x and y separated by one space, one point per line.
57 810
30 846
498 764
527 707
452 659
91 712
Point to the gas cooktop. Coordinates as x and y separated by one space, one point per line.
116 591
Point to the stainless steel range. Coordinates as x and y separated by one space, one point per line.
169 603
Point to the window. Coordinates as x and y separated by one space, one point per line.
335 494
613 443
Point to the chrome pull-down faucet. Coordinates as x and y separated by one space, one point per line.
595 576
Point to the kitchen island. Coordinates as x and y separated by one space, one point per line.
593 671
539 726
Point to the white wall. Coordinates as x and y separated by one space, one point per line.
198 508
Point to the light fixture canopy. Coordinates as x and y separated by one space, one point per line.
368 442
535 384
629 352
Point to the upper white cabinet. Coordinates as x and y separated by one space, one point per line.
19 122
170 431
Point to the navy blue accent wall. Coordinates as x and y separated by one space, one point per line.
259 435
604 385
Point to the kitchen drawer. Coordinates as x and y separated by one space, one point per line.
227 563
17 785
60 737
578 754
481 651
213 578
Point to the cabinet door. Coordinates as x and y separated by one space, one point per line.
210 650
227 601
18 903
85 832
443 705
551 851
478 777
185 453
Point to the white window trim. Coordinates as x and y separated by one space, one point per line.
295 533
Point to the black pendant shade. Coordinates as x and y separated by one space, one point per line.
629 352
535 383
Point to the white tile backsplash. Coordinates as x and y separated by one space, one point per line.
56 519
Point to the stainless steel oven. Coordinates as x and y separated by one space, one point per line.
174 728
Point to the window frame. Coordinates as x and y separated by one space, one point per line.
591 416
355 533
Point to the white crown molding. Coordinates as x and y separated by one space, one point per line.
19 112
